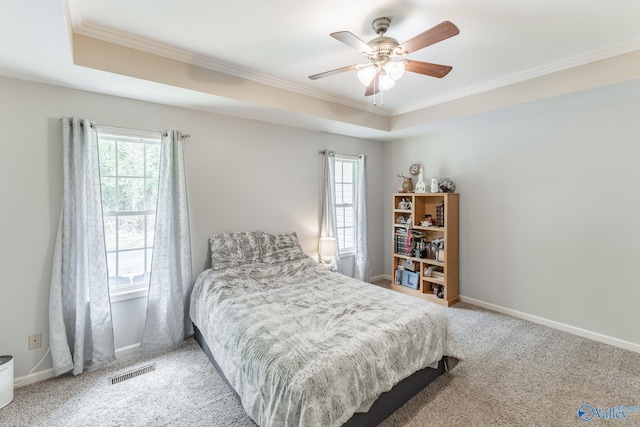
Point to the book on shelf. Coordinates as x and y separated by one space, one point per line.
401 244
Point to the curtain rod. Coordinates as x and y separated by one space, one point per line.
121 129
331 152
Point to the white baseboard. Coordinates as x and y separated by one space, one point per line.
48 373
128 350
379 277
556 325
33 378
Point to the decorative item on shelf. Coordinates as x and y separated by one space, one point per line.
414 169
446 185
435 187
420 185
432 250
440 215
404 204
400 219
438 290
407 184
328 250
440 253
419 248
427 221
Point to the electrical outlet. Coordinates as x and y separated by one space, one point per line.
35 341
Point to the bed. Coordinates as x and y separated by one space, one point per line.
303 346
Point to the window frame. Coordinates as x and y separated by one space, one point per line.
340 160
139 289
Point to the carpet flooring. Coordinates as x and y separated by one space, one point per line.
514 373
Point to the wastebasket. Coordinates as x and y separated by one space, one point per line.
6 380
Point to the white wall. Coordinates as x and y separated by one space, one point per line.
241 175
548 200
549 206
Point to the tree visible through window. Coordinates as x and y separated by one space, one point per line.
129 169
345 194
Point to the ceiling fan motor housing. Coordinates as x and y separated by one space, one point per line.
382 47
381 25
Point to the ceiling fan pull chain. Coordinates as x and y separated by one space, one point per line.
375 94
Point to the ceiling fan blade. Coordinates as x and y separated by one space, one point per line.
351 40
333 72
440 32
374 86
428 69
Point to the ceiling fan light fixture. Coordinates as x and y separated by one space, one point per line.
386 82
395 70
366 74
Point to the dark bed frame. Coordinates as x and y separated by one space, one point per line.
386 404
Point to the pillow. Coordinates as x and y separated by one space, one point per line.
231 249
280 247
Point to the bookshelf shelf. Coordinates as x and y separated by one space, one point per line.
421 260
419 227
433 280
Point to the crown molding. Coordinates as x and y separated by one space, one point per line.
143 45
528 75
80 26
75 13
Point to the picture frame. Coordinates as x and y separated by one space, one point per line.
410 279
398 276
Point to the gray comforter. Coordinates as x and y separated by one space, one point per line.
306 347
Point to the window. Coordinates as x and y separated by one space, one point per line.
129 169
345 202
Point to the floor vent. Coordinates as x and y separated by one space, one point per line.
132 374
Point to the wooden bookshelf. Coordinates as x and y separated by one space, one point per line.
445 229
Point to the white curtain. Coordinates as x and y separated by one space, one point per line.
361 267
167 321
80 325
328 221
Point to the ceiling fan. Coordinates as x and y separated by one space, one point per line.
384 69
